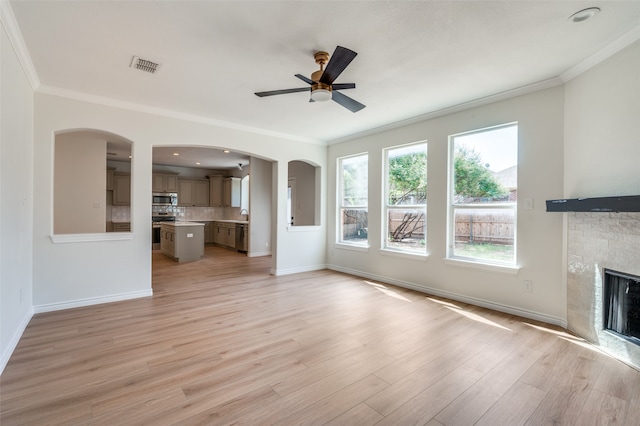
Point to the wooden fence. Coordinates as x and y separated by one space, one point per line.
485 227
475 226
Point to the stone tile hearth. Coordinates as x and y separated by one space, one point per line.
597 241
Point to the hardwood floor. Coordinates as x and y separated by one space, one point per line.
223 342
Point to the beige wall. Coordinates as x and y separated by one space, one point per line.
79 183
305 209
602 130
16 199
539 247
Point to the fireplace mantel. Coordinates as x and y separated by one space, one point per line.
629 203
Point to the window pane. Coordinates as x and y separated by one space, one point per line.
407 229
354 192
486 166
354 181
487 234
354 225
407 171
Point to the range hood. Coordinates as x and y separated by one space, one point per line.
630 203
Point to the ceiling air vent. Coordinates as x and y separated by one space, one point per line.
144 65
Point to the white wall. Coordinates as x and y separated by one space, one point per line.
539 247
80 182
72 274
602 130
16 199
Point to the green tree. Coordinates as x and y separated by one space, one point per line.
472 178
408 178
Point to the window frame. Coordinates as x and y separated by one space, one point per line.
483 263
386 207
356 245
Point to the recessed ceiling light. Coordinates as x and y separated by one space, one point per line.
197 163
176 154
226 151
584 14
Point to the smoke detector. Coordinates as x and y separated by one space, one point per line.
144 65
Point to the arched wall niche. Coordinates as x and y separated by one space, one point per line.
303 193
91 182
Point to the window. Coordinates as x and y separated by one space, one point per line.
353 202
405 206
483 195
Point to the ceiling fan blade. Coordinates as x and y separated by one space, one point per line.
283 92
350 104
339 60
305 79
342 86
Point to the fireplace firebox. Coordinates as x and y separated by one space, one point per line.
622 305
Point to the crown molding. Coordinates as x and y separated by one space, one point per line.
12 30
116 103
524 90
602 55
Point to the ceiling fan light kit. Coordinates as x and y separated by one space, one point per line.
321 82
321 95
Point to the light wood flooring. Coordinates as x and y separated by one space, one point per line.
223 342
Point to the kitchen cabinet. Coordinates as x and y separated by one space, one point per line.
193 193
231 192
182 241
121 189
209 232
225 234
215 190
121 226
164 182
110 178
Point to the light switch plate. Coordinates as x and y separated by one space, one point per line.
528 203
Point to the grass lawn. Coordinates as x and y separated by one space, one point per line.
488 251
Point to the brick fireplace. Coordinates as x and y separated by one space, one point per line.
595 242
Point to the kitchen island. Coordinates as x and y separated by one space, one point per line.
182 241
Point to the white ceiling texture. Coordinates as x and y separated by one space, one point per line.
415 58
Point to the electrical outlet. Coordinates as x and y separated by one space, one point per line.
528 286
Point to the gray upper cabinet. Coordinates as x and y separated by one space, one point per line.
193 193
215 190
121 189
231 192
164 182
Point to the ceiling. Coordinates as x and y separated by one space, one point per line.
414 57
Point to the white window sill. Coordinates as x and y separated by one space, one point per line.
84 238
353 247
492 267
404 254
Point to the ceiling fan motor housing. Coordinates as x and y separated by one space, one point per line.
321 59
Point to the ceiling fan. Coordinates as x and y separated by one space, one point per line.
321 83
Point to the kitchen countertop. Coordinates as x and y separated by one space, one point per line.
230 221
182 223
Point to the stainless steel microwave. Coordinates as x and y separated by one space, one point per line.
164 199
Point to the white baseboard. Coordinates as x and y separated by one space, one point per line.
6 355
50 307
279 272
537 316
259 253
